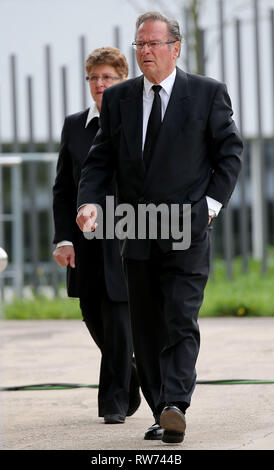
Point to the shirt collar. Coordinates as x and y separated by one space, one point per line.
92 113
166 84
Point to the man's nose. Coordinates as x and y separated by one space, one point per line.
145 49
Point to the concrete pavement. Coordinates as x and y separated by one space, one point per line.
221 417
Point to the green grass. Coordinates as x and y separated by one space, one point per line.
248 294
42 308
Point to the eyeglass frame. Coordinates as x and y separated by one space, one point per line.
158 44
104 80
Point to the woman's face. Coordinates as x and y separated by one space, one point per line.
101 77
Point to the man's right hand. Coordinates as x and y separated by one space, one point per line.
86 218
65 255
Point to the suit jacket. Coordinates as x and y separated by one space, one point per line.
197 151
92 256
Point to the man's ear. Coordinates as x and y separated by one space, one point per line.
176 49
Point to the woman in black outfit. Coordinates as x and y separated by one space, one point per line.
95 265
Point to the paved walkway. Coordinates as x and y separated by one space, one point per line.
239 417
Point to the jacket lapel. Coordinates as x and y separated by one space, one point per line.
178 108
132 118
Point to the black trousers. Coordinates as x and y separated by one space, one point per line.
165 295
108 323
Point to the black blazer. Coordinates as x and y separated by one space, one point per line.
92 256
197 152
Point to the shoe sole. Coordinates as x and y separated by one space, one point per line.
171 420
174 426
157 438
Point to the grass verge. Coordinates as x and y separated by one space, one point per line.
250 294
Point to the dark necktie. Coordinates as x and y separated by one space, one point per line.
153 127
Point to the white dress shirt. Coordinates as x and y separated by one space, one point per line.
148 97
92 113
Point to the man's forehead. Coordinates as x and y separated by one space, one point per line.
152 27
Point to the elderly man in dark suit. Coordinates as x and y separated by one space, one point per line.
171 139
94 267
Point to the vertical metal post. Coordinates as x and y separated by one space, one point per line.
117 37
243 175
0 126
64 87
259 220
222 40
272 61
53 270
82 71
257 191
1 208
226 216
49 98
1 234
15 217
186 39
1 179
30 113
201 46
32 185
14 103
1 212
17 232
1 223
133 62
17 228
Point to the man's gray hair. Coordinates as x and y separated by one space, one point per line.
172 25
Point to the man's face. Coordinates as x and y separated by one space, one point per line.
156 64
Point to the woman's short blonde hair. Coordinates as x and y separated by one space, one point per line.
110 56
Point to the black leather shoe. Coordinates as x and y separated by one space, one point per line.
134 391
114 419
154 433
173 421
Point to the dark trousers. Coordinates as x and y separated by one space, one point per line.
165 295
109 325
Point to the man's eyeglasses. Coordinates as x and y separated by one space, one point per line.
150 44
107 79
